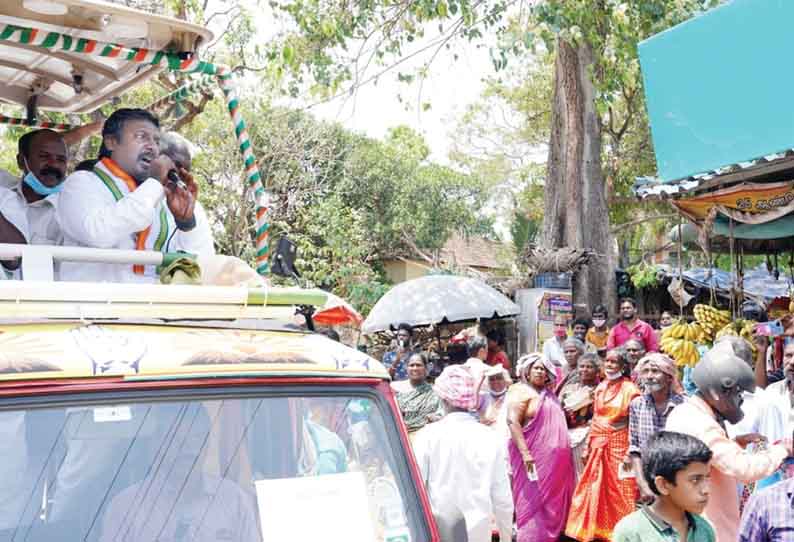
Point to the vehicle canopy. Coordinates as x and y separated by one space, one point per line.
65 80
73 56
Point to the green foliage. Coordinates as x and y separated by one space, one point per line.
346 200
643 275
523 231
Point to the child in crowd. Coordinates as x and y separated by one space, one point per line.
676 467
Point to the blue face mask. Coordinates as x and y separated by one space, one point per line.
35 184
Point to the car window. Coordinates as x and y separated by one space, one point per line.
297 467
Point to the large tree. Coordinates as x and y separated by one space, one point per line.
596 96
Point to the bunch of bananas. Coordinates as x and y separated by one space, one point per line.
680 329
740 328
679 339
711 319
683 351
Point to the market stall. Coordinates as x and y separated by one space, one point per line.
723 145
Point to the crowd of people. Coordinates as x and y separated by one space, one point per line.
598 440
137 194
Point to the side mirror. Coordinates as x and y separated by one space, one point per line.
284 259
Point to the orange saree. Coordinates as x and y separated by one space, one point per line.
601 499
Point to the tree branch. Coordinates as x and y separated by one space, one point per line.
626 225
219 13
410 242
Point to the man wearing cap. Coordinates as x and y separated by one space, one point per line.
648 413
722 377
463 462
492 406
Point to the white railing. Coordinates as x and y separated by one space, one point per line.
38 260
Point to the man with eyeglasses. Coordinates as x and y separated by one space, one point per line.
135 198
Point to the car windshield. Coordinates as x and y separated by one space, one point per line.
292 466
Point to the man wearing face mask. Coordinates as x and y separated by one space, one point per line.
721 377
648 413
42 158
631 327
135 198
28 207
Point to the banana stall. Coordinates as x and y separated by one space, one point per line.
723 134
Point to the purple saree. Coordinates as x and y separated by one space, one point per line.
542 506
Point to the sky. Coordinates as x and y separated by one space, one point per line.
450 87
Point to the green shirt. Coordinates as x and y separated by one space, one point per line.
645 526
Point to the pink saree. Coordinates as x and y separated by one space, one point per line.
542 506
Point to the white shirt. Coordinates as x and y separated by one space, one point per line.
15 212
767 412
42 214
463 462
477 368
91 217
552 350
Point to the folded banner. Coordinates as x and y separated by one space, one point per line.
751 203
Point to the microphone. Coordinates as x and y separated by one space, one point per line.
173 176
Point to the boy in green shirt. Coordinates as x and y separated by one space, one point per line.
676 467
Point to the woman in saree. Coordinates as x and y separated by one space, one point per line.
603 497
418 403
540 452
576 398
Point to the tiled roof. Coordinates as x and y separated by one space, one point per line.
474 251
653 187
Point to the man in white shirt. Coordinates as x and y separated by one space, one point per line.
42 158
463 462
135 198
477 347
552 348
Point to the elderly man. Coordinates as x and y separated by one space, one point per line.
492 405
552 348
648 413
463 462
722 377
134 200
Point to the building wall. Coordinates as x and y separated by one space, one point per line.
399 271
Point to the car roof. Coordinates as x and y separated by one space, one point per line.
103 77
74 349
72 329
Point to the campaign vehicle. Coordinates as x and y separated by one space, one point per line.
163 412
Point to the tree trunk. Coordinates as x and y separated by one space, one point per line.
576 213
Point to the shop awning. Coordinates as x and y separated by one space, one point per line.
716 90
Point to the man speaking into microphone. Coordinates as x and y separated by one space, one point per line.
135 198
